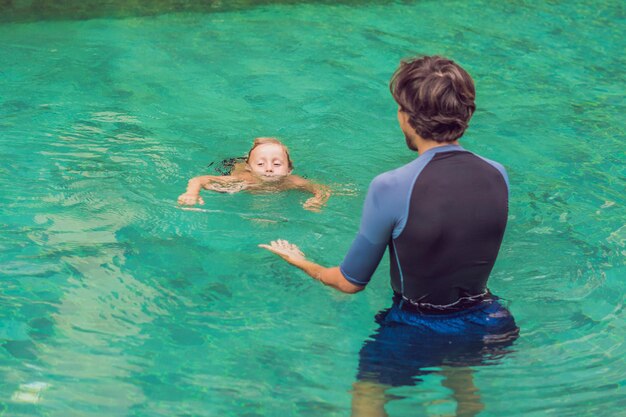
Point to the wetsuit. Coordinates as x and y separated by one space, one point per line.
443 218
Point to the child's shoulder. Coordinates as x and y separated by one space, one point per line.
297 180
242 175
239 168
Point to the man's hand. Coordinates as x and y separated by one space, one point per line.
288 251
328 276
189 199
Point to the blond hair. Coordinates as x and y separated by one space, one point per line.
262 141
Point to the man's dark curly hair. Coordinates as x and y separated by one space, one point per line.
437 94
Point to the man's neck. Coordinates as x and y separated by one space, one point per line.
423 144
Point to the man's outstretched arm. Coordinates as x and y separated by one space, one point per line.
328 276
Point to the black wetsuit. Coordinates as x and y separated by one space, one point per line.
443 218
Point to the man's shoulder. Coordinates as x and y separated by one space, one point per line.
385 179
491 162
494 164
394 181
400 175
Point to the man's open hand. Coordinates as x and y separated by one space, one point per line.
285 250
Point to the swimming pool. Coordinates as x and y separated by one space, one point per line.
116 302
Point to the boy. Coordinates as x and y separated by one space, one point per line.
267 168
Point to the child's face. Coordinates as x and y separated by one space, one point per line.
269 161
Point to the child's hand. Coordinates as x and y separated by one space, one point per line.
188 199
313 204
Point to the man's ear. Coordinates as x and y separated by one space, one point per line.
248 168
403 117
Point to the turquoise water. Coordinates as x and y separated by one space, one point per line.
116 302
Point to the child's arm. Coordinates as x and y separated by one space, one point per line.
321 193
225 184
192 195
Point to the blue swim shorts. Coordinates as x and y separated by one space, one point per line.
407 341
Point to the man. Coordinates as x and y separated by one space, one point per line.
443 217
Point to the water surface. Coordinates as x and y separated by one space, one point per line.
114 301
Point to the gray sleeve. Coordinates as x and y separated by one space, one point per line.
384 216
380 213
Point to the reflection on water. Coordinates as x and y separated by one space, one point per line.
102 309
